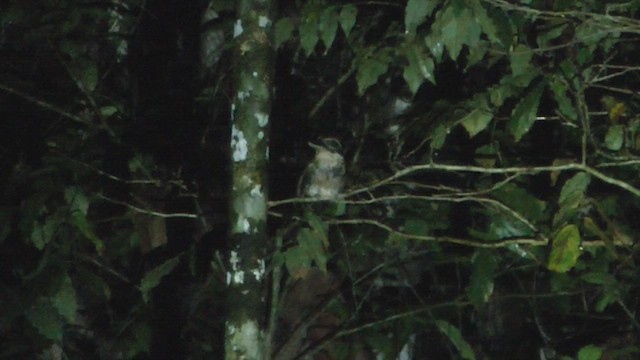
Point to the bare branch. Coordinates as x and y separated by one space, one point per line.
150 212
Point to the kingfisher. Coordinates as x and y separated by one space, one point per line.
324 176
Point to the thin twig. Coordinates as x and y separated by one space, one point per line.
150 212
43 104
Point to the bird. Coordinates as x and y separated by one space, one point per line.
324 176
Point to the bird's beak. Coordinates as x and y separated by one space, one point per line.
315 146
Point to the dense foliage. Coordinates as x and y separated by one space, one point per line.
492 162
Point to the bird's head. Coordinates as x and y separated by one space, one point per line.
330 145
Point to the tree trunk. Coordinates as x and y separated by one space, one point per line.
246 274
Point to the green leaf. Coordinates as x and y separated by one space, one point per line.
486 23
107 111
502 226
42 234
80 222
615 137
477 53
297 261
283 31
555 28
599 278
565 106
153 277
521 201
309 34
72 48
86 74
504 27
455 336
591 34
318 226
328 26
76 200
372 68
521 60
524 114
140 342
348 16
590 352
65 300
416 226
439 136
312 243
574 187
340 208
565 249
79 205
416 12
608 298
44 317
486 155
499 93
483 270
435 46
419 68
459 29
476 121
571 197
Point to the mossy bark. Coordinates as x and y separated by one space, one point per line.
246 274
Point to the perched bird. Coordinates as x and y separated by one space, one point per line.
324 176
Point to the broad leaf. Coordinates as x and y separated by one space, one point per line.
65 300
42 234
590 352
439 136
44 317
476 121
79 205
318 226
484 265
348 18
615 137
599 278
571 197
283 31
565 249
435 45
486 23
521 60
524 114
309 34
574 188
565 106
416 12
419 68
455 336
85 72
416 226
499 93
459 29
312 243
76 200
555 28
153 277
140 342
372 68
521 201
297 261
107 111
328 26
